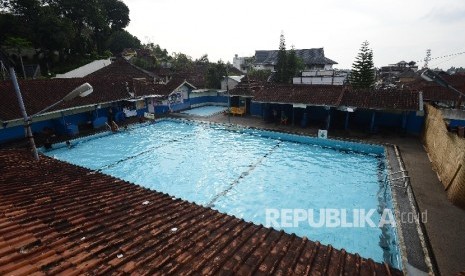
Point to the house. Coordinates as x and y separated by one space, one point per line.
313 59
334 106
317 77
243 64
120 87
230 82
390 74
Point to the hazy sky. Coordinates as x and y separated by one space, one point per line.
396 29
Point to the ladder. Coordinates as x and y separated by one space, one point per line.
394 179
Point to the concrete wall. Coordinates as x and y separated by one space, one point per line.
447 153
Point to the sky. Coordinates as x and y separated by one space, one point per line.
396 29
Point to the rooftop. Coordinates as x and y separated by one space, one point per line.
61 218
336 95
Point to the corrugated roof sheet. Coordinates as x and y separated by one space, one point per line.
57 218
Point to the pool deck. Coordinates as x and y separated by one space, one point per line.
445 221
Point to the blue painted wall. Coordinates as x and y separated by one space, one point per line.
208 99
256 109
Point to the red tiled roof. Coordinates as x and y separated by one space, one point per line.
335 95
381 99
121 68
318 95
62 219
38 94
438 93
110 84
246 87
433 92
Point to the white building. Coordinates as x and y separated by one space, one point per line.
328 77
314 59
232 81
239 63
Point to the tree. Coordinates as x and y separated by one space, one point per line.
281 64
18 44
72 28
119 40
258 75
363 71
294 65
215 73
181 62
202 60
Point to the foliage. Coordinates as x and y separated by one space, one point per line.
202 60
159 53
121 39
67 27
288 64
281 65
18 44
258 75
294 65
215 73
143 63
363 71
454 70
181 62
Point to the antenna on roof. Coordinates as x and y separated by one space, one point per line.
427 58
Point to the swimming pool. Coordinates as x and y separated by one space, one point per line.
205 111
244 172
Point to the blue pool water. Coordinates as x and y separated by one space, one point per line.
243 172
205 111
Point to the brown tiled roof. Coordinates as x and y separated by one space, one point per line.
381 99
38 94
318 95
438 93
62 219
146 88
246 87
110 84
335 95
433 92
123 69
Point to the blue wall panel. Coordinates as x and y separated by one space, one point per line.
256 109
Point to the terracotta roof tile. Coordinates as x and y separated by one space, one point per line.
110 84
433 92
246 87
121 68
62 219
318 95
381 99
334 95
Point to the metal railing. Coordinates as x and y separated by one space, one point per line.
404 177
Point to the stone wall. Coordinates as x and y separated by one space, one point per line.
447 153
